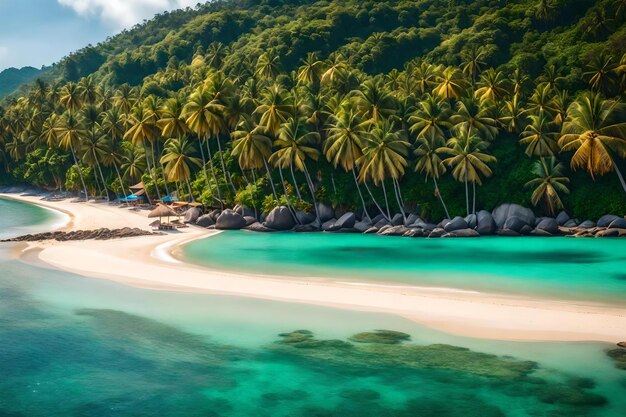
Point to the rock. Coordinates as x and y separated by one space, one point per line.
571 223
97 234
381 223
471 221
215 214
326 212
587 224
192 215
397 220
280 218
258 227
387 337
394 231
462 233
541 232
250 220
229 220
526 230
622 344
305 218
457 223
378 218
412 218
505 211
549 225
618 223
361 227
507 232
443 223
384 228
414 233
330 226
244 211
303 228
562 218
485 224
205 221
371 230
606 220
437 232
346 221
515 224
608 233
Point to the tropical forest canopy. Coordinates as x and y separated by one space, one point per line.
441 106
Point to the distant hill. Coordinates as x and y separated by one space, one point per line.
12 78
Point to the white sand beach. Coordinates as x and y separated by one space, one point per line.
147 262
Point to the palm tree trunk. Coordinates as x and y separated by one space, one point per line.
360 194
332 180
80 173
398 198
158 152
400 195
154 178
189 188
619 175
310 183
466 198
226 173
473 197
386 201
104 183
441 198
217 184
374 200
206 174
269 175
295 183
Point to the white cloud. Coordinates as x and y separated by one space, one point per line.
124 13
4 54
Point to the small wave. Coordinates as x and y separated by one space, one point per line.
409 287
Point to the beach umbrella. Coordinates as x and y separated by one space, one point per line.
162 211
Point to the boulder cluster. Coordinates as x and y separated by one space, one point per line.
98 234
504 220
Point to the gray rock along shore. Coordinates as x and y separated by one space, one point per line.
504 220
98 234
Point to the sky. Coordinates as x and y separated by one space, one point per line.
41 32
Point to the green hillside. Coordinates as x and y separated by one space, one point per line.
396 90
12 78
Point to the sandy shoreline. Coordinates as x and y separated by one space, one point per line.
146 262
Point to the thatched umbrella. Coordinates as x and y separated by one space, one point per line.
162 211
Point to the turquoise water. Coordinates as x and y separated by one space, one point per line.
20 218
581 269
73 346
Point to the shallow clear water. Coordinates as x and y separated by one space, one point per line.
584 269
73 346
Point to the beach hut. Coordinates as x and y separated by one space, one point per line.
163 211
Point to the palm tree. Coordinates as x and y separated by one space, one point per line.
602 75
514 115
274 109
384 157
309 72
203 117
473 62
296 143
451 85
471 117
143 130
539 137
268 65
253 148
424 77
493 86
178 159
596 131
468 161
71 133
374 101
344 143
429 123
113 125
70 97
549 182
